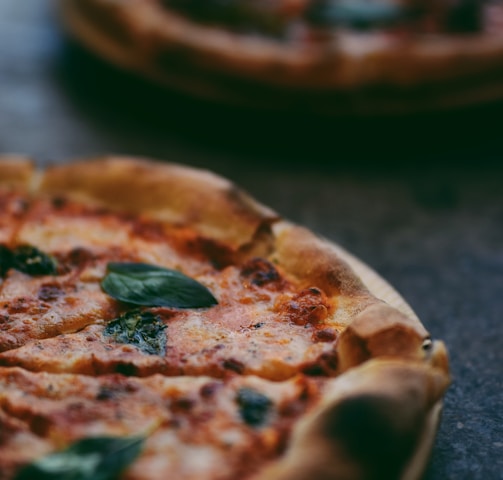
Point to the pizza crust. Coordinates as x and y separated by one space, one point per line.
16 171
389 370
372 423
355 74
167 192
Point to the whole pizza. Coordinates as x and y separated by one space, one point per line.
157 322
337 56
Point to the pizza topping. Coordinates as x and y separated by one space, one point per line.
141 329
308 306
357 14
224 390
282 18
27 259
153 286
260 272
49 292
254 407
93 458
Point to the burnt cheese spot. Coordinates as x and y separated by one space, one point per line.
254 407
209 389
77 257
310 306
49 292
260 272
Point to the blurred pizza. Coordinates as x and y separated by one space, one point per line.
324 55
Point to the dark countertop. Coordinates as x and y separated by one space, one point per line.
419 198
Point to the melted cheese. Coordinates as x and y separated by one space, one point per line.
263 325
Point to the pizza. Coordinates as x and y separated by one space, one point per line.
335 56
158 322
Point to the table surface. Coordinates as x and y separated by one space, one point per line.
418 198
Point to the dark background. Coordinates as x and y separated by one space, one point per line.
419 198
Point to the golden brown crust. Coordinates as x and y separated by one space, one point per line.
358 73
16 171
168 192
313 261
368 425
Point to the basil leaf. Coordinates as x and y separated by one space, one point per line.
93 458
152 286
32 261
142 329
27 259
6 260
254 407
359 14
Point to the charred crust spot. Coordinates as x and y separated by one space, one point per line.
260 272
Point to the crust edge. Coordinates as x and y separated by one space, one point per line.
164 191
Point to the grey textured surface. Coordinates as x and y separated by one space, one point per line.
420 199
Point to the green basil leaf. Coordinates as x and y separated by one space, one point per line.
141 329
6 260
32 261
355 13
27 259
153 286
93 458
254 407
